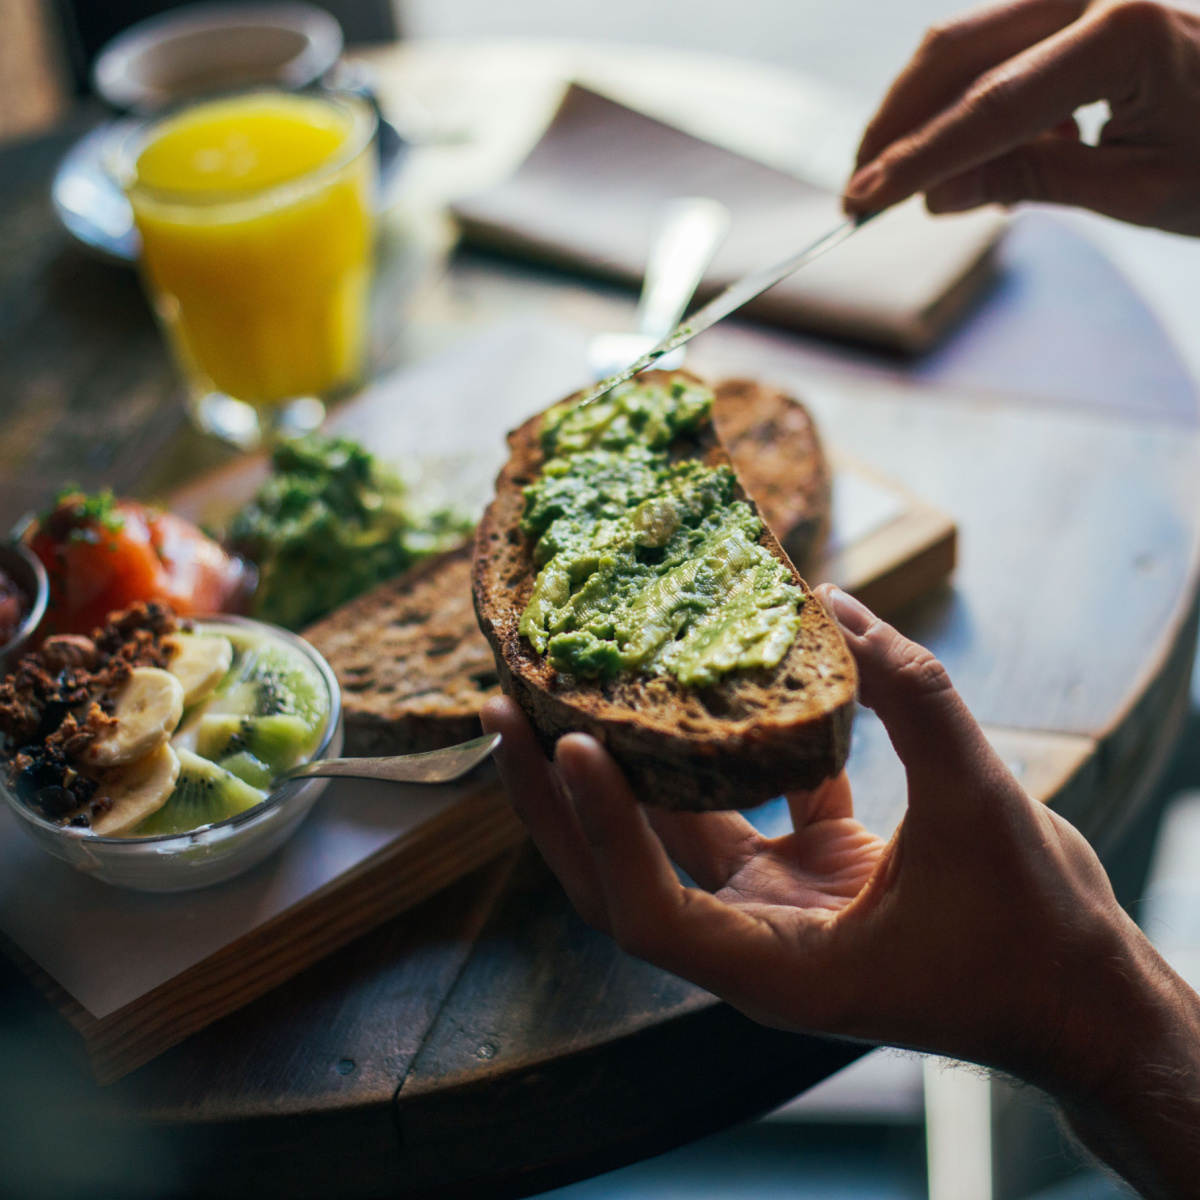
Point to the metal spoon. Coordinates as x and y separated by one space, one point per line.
688 234
434 766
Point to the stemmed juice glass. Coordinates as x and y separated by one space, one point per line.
256 218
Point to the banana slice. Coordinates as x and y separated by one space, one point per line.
199 662
136 791
148 708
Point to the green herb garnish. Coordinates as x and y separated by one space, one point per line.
80 517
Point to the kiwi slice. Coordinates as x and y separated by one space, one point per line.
267 680
289 684
248 768
204 793
280 740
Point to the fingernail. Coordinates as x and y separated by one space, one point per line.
492 720
864 182
487 718
567 765
559 747
852 615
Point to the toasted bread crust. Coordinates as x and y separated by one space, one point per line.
777 454
752 737
414 668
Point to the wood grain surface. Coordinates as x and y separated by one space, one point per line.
472 832
488 1043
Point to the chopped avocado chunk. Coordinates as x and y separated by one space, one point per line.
328 524
583 653
648 565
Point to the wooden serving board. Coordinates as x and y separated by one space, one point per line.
406 868
894 559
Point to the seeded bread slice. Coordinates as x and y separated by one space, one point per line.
750 738
413 666
777 454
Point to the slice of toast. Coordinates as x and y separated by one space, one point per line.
747 739
413 666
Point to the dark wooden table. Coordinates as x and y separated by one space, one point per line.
489 1044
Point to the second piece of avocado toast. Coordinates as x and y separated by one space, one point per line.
413 666
735 738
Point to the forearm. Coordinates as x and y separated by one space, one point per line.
1144 1119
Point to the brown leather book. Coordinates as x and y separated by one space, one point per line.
588 195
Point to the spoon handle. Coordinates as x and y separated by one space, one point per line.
433 766
689 233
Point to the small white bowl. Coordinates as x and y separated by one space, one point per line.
181 862
207 48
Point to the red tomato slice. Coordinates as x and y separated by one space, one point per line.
200 576
96 570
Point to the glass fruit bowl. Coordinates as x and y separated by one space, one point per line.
212 852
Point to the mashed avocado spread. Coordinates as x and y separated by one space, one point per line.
330 522
648 565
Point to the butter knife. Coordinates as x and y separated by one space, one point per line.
730 300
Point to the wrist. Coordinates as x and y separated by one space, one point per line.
1127 1074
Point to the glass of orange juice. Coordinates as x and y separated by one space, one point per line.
256 218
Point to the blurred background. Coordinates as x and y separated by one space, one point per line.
856 44
891 1126
854 47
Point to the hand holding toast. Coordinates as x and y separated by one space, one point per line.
983 113
985 929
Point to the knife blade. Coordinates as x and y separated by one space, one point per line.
730 300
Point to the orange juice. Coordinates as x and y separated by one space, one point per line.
256 221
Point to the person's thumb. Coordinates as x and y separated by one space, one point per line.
1053 169
936 737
